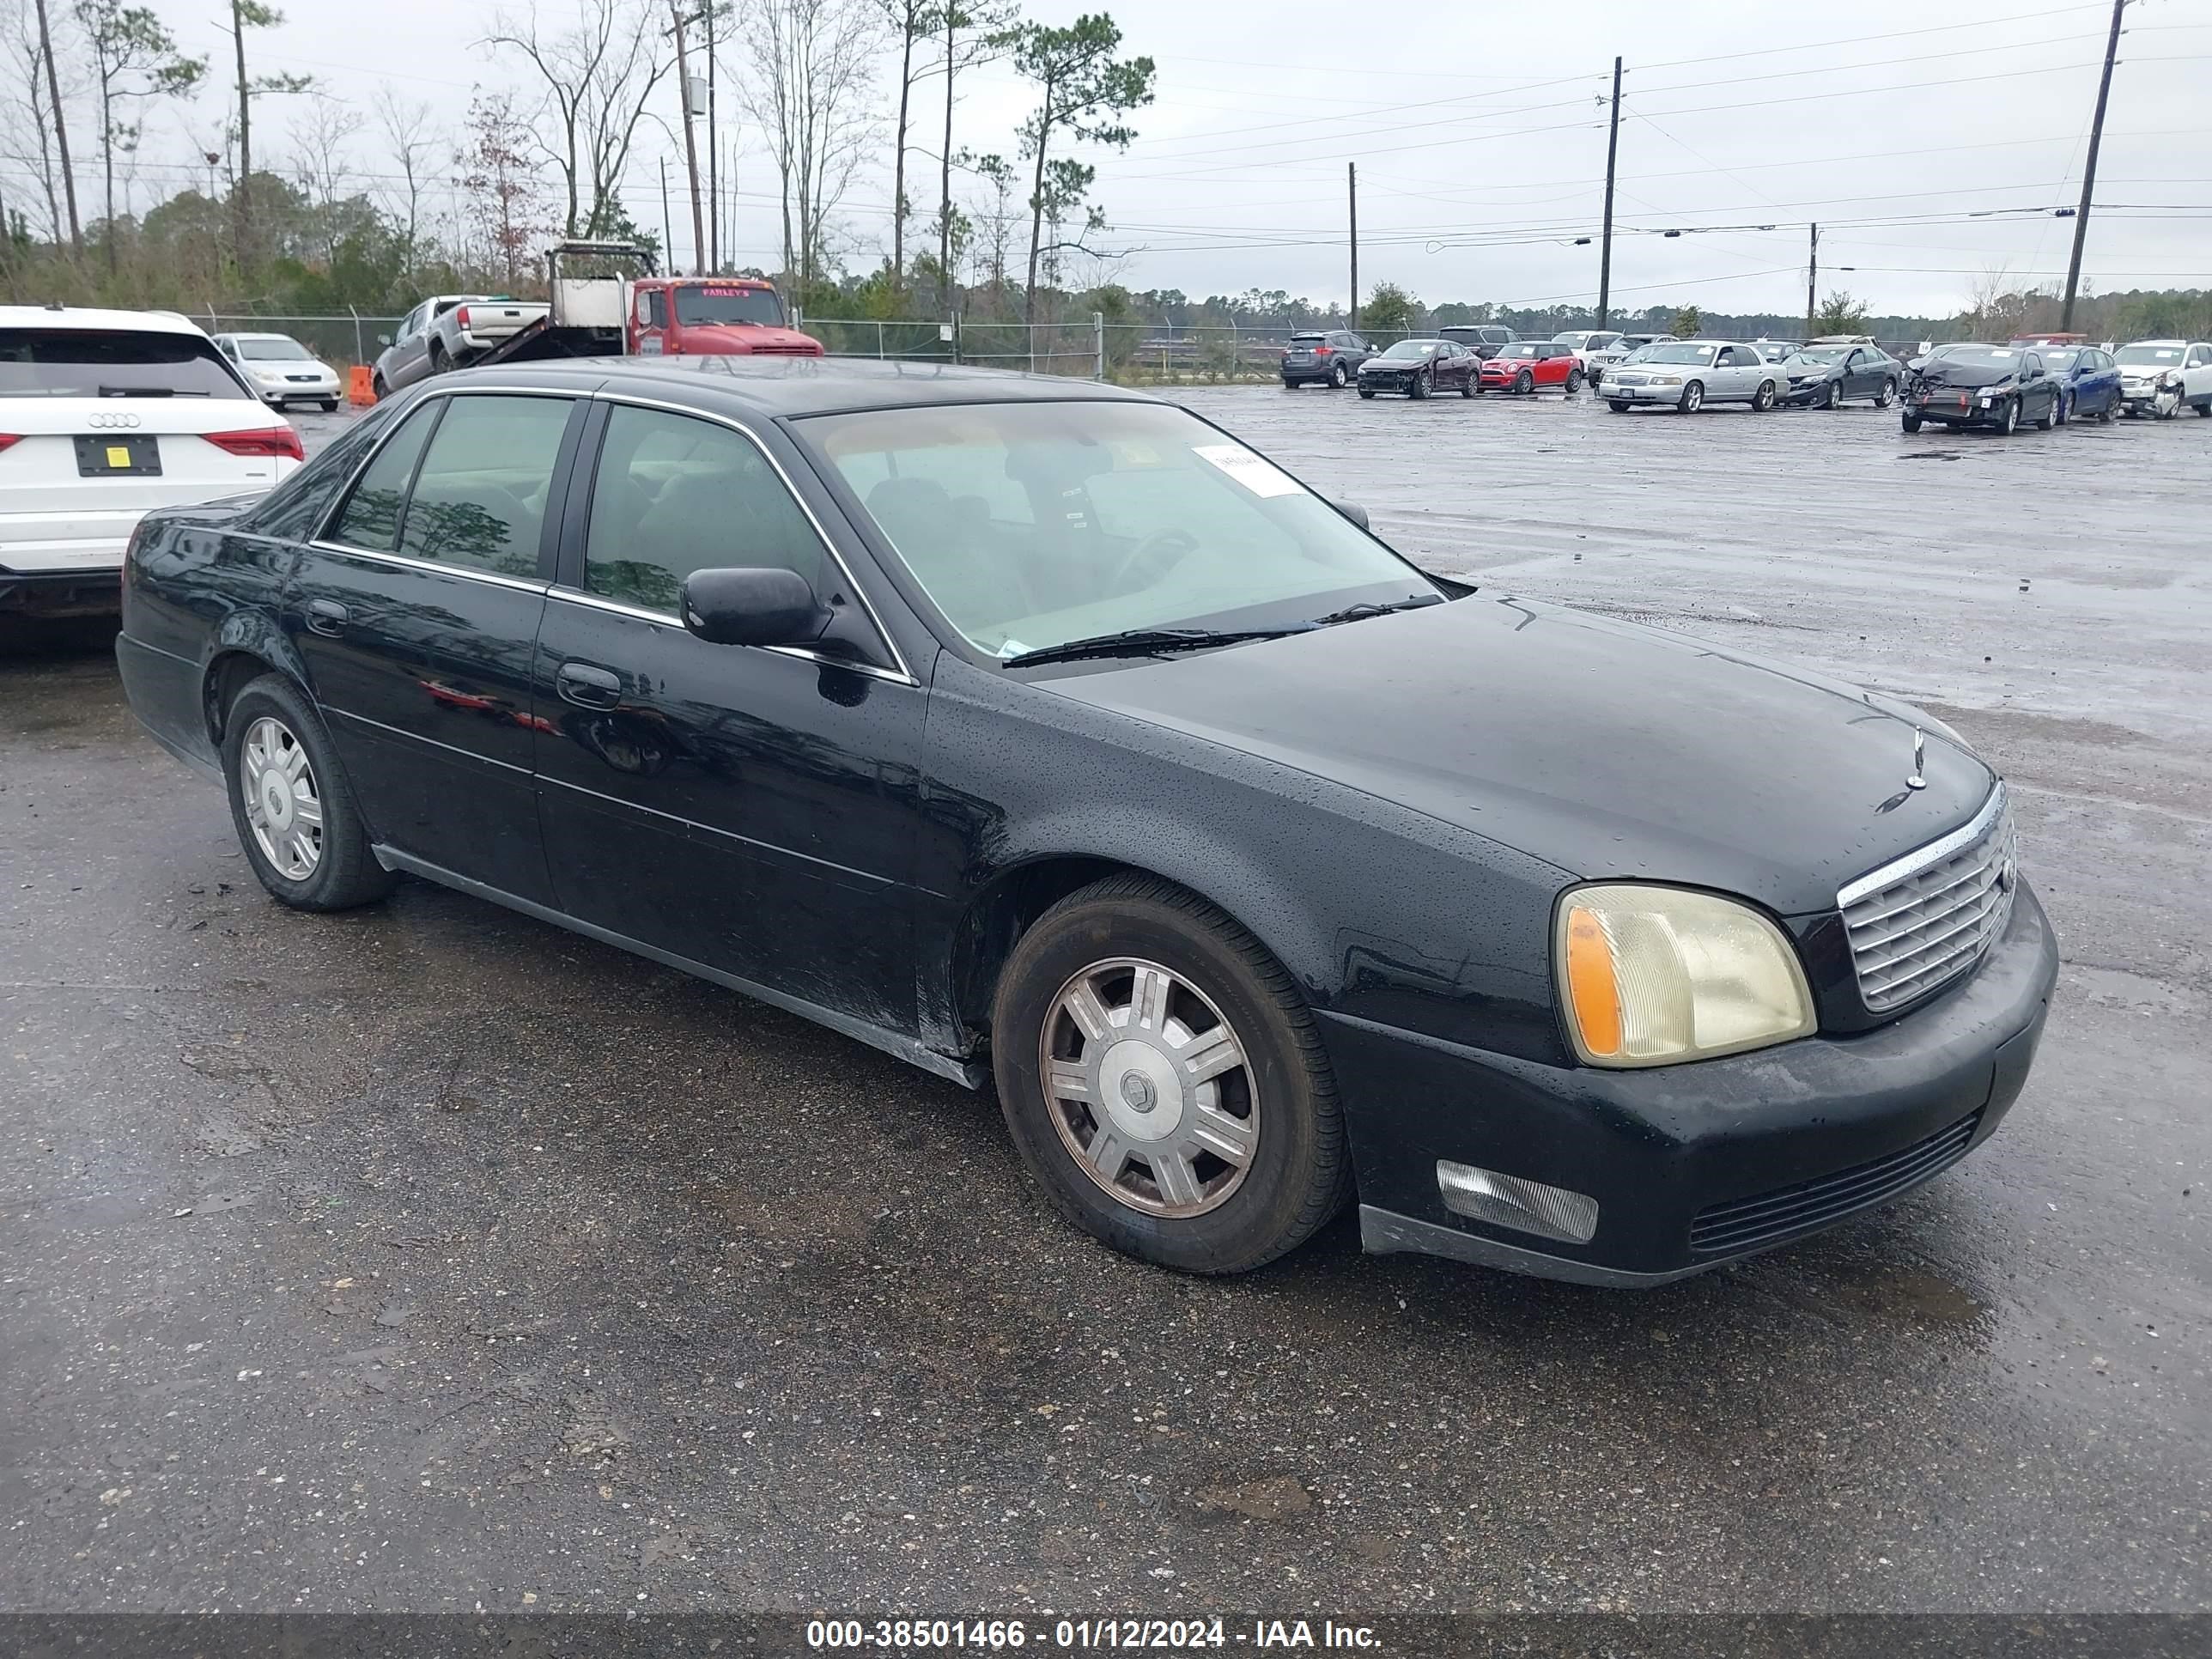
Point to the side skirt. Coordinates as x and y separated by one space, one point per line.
967 1073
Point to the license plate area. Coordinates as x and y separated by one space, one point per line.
119 458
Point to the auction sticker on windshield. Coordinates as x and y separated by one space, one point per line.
1262 477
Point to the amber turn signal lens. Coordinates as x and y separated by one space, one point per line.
1591 984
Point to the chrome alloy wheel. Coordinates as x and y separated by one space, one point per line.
1148 1088
283 804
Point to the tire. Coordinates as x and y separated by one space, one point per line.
330 405
377 386
2204 408
1911 422
1524 383
1367 392
1763 399
1886 396
1419 388
2060 414
439 361
271 717
2166 413
1618 405
1466 386
1693 397
2104 415
1835 396
1336 376
2011 424
1275 1100
1574 380
1290 386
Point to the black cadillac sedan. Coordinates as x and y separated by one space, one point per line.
1044 734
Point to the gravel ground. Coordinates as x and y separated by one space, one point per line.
430 1258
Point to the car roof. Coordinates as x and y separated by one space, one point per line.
94 316
794 386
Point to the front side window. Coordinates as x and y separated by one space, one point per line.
674 494
1031 525
479 498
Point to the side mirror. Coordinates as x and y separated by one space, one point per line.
753 606
1353 511
384 339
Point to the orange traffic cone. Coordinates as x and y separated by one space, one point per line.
361 387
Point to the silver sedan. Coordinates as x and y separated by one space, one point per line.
1687 375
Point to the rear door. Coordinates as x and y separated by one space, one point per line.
751 810
416 615
99 425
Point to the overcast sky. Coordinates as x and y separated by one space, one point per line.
1479 133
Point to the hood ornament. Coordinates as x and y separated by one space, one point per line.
1919 749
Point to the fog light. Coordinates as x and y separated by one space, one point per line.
1506 1200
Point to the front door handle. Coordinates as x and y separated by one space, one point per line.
327 616
588 687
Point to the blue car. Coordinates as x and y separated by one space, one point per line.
2088 382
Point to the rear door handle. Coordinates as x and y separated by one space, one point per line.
327 616
588 687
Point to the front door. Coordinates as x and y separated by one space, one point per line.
754 810
417 616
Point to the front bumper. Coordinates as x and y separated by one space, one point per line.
1805 393
1946 408
1693 1166
1643 394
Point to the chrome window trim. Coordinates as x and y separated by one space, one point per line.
401 560
595 602
828 542
1875 880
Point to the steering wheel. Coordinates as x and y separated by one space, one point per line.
1152 559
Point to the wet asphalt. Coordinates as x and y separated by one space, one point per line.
430 1258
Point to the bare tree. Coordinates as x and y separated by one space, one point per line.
405 126
134 57
810 65
58 111
26 51
599 76
322 168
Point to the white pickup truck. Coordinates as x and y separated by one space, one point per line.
450 331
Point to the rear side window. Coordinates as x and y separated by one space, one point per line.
293 510
84 362
675 495
480 497
371 519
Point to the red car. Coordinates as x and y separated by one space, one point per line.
1527 365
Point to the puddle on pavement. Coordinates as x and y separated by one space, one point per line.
1928 1298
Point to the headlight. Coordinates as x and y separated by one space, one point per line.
1666 380
1652 975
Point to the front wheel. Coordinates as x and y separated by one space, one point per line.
1835 397
1336 376
1523 384
1367 392
1164 1082
1693 397
291 804
330 405
2010 423
2166 409
1911 423
1886 396
1618 405
1420 386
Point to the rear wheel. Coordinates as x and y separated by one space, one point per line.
1290 385
1164 1082
1886 396
1693 397
1466 386
377 386
1574 380
1763 399
439 361
291 804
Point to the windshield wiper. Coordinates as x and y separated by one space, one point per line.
1149 641
1363 611
146 392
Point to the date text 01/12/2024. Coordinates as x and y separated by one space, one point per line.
1085 1634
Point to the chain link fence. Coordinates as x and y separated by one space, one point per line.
340 340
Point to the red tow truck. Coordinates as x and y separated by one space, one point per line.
606 299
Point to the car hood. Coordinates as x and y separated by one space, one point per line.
740 340
1606 750
1391 365
1943 374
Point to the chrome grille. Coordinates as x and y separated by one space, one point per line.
1927 919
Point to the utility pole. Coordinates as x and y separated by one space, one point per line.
1811 280
948 301
1352 189
714 156
667 232
61 127
1605 253
2089 172
690 149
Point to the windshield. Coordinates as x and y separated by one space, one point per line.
79 363
1676 351
2147 354
1980 356
2059 359
1518 351
1030 525
701 303
1411 348
274 351
1574 337
1820 354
